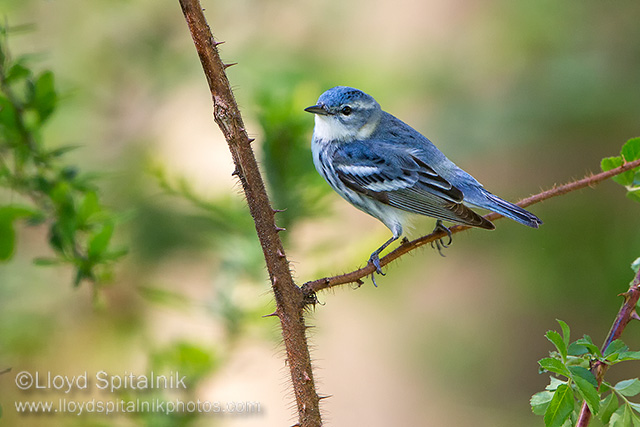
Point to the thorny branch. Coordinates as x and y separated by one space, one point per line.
289 298
356 276
626 313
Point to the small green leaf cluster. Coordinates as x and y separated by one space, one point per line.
573 382
631 178
41 188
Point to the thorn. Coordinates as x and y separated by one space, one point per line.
279 229
309 326
634 315
305 376
324 397
216 43
359 282
277 210
236 172
625 295
274 314
279 253
230 64
250 140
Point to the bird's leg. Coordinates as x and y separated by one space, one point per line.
439 244
375 257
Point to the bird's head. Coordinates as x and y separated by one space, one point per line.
345 114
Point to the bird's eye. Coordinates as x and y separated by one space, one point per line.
346 110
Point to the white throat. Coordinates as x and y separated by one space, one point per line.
329 129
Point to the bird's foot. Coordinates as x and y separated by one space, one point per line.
440 244
375 261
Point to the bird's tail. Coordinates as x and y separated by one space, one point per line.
509 210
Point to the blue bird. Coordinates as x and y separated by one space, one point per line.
389 170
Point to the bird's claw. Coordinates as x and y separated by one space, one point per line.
375 261
439 243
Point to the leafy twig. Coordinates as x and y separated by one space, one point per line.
626 313
289 298
80 228
311 287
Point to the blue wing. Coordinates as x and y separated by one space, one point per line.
396 176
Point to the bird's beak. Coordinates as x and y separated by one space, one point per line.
317 109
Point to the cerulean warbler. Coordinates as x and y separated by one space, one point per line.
387 169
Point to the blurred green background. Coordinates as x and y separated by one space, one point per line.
523 95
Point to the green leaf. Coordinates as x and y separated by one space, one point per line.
7 236
8 215
634 406
558 341
631 150
576 349
100 240
587 342
89 206
614 348
554 383
608 406
17 72
45 262
540 401
8 116
634 195
628 355
583 373
635 265
560 407
609 163
587 387
566 333
44 97
554 365
57 152
628 387
622 417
